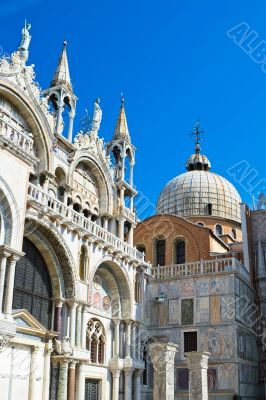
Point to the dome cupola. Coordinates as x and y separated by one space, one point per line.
199 192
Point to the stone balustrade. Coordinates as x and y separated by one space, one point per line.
203 267
72 218
16 135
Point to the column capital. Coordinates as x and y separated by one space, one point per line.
8 251
116 321
64 362
58 302
138 372
128 372
116 373
72 303
197 359
72 364
129 322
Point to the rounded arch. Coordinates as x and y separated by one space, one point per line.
158 250
10 216
33 115
102 175
179 248
218 229
58 259
32 284
120 289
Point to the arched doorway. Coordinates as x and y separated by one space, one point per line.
32 286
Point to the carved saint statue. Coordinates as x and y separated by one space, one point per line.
97 116
26 37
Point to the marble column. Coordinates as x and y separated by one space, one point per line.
73 309
3 262
58 317
54 380
121 229
83 328
138 342
62 384
131 174
128 337
71 384
46 373
10 285
137 376
115 390
116 336
105 223
163 360
78 328
130 235
134 340
59 116
198 377
128 384
80 390
70 126
35 375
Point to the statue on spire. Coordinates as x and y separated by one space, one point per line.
97 117
25 41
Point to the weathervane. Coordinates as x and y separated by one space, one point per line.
198 132
86 122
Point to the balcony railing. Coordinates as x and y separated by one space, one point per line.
16 136
203 267
72 218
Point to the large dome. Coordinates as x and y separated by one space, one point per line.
200 193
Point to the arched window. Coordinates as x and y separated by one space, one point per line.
160 252
83 263
141 248
218 229
60 178
137 288
209 209
95 342
180 251
32 286
200 223
233 233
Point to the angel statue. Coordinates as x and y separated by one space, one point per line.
26 37
97 116
23 50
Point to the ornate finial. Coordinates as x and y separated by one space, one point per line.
122 99
85 122
198 132
65 43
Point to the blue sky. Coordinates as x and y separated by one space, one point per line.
174 63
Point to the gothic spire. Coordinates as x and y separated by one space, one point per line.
62 75
121 130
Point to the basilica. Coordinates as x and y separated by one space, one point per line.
96 304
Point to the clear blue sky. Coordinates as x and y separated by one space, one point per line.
174 63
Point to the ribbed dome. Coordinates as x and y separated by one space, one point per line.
200 193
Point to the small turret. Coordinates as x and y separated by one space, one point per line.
61 96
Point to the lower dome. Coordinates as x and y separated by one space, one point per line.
200 193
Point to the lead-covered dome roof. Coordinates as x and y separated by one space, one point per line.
199 192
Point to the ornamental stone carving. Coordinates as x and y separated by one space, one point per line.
198 378
163 360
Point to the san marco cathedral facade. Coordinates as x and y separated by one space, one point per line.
97 305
